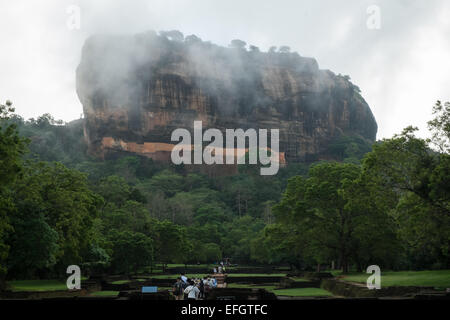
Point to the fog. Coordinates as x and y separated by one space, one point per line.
402 68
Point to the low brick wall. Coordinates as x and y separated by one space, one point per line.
91 285
43 295
240 294
255 280
311 275
180 270
137 285
137 295
194 270
348 289
291 283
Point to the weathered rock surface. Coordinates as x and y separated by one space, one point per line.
136 90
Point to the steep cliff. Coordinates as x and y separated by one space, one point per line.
136 90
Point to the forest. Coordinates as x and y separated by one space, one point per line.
385 204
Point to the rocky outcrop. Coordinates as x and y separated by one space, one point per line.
136 90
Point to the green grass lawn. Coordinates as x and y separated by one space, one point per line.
294 292
121 282
201 275
438 278
302 292
256 274
297 279
37 285
283 268
128 281
105 293
147 271
268 286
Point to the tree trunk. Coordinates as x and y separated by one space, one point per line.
344 261
345 267
359 267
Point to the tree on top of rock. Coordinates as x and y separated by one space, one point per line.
238 44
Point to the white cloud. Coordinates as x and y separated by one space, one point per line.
401 68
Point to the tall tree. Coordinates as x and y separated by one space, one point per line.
440 126
67 204
324 217
172 243
131 251
417 178
12 147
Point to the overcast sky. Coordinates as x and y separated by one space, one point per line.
402 68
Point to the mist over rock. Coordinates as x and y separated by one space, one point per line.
136 90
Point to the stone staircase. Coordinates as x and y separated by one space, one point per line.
221 279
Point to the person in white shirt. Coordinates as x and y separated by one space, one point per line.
192 291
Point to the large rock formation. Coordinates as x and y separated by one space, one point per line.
136 90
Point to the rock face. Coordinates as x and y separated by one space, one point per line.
136 90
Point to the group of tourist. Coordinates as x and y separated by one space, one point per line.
221 269
193 289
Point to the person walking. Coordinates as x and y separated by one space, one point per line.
214 282
184 278
185 285
201 287
192 291
207 287
178 289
